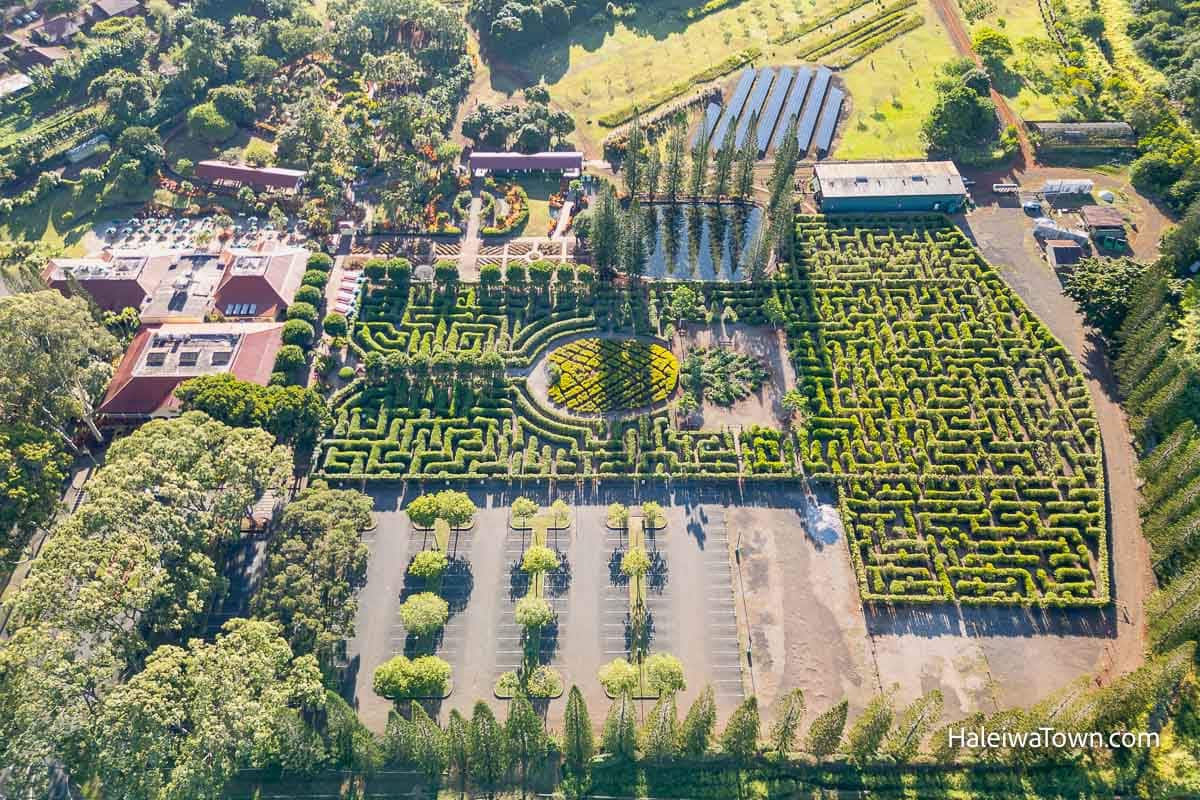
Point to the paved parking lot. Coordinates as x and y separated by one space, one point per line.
690 599
509 646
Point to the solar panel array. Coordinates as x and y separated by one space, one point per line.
711 115
792 108
770 114
800 94
734 109
812 108
754 105
829 118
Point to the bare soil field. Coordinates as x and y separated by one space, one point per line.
763 342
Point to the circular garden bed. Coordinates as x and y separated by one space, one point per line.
594 375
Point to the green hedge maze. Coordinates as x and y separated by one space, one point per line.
957 430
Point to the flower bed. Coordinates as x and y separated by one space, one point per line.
517 200
606 375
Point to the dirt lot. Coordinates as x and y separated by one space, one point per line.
1147 220
809 630
765 343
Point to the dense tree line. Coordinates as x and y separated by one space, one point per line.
1167 34
101 675
528 128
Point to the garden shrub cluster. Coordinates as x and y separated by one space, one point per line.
722 376
608 375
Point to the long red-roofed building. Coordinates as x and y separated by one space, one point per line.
261 178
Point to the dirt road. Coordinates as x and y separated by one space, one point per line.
948 14
1018 260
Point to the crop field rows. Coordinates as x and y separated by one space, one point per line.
957 429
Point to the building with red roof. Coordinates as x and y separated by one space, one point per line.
259 284
222 173
161 358
114 280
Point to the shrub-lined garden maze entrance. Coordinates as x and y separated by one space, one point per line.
957 430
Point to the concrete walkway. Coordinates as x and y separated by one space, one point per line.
468 260
564 216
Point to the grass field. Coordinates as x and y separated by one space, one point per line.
539 190
604 64
1020 19
62 220
891 91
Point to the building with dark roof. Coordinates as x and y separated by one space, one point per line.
107 9
889 186
115 281
222 173
56 30
1104 224
1063 252
161 358
27 57
1083 134
259 285
569 163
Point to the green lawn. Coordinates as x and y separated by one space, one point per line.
539 190
603 64
891 91
62 220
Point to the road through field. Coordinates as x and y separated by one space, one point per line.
948 14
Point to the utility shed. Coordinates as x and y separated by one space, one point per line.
890 186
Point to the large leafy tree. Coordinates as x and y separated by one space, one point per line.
33 468
487 749
182 726
788 715
138 560
868 732
316 564
964 116
620 729
697 731
1103 288
578 739
528 742
57 360
296 416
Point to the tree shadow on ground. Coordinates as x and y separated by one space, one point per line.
558 582
656 576
518 581
457 584
615 576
